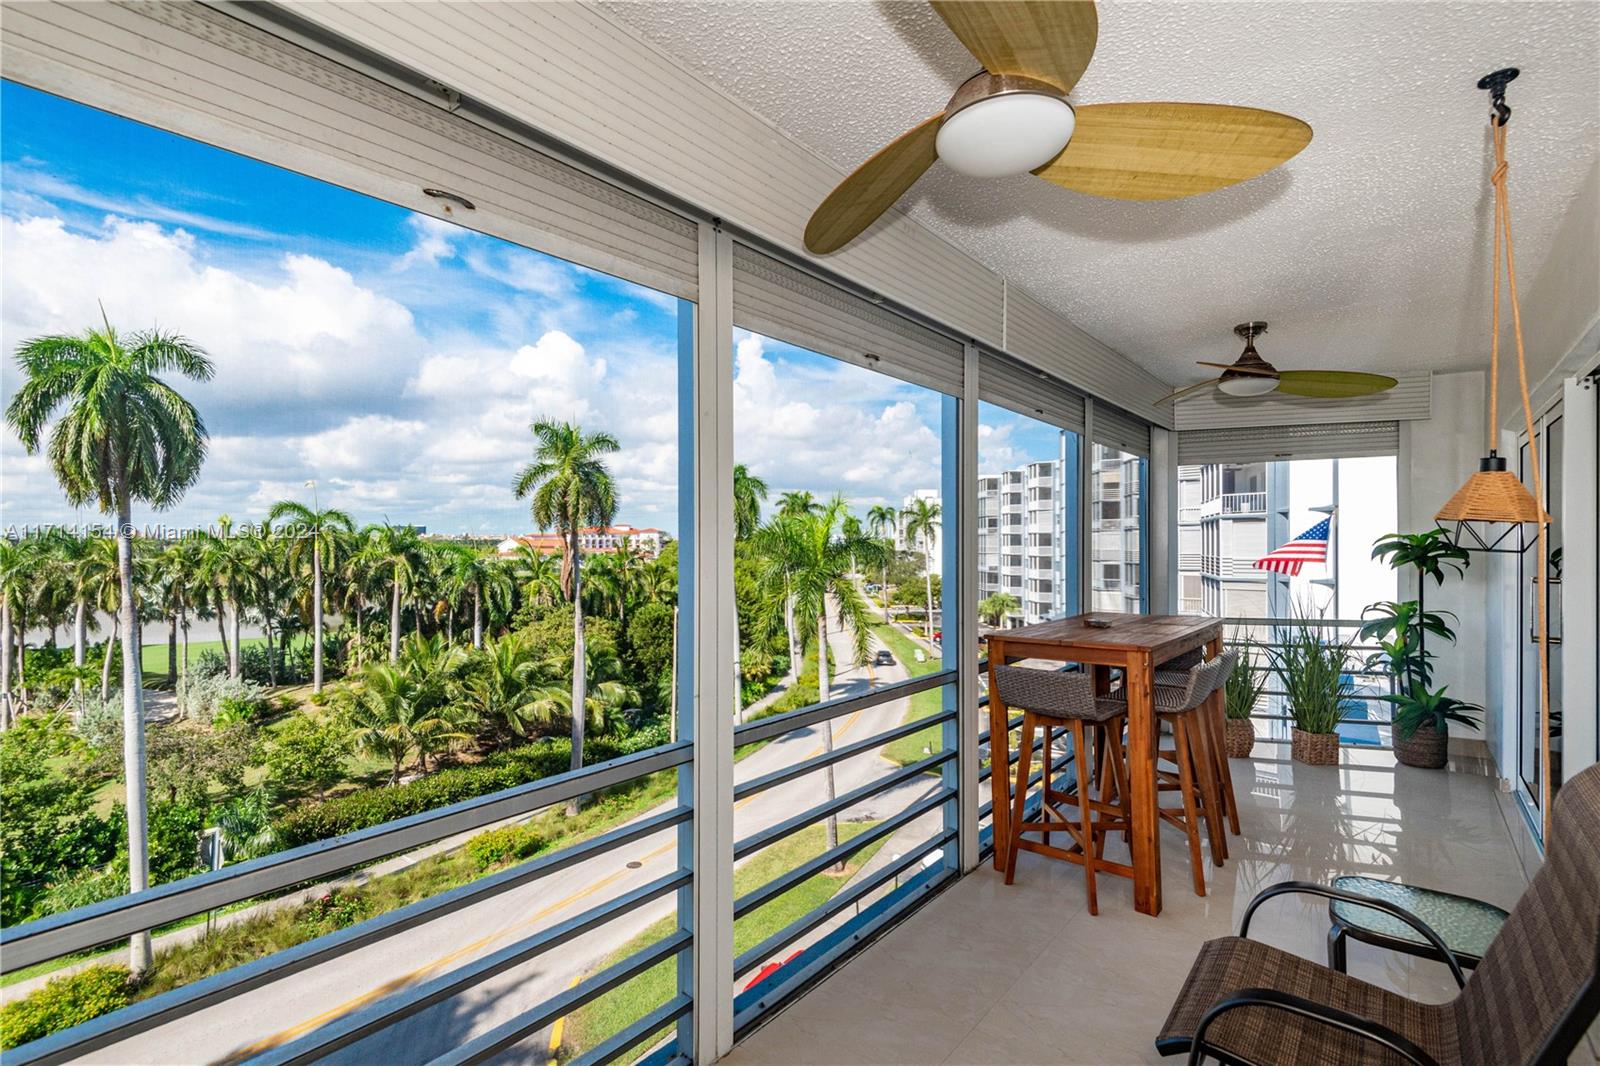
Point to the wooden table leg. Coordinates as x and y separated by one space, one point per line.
1142 744
999 761
1218 717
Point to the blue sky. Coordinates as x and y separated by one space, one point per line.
393 358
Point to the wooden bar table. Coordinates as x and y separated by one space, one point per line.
1136 644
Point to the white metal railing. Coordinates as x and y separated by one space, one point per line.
1364 706
1244 503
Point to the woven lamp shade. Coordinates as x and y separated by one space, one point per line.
1492 496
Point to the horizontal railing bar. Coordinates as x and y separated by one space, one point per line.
111 1028
1011 760
380 1015
836 903
772 834
621 1043
1349 696
115 919
800 769
800 975
779 724
1309 623
1289 718
837 854
1011 724
503 1036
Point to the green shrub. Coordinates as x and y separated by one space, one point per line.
63 1003
507 769
174 842
308 751
511 843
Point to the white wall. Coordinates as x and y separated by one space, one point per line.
1436 456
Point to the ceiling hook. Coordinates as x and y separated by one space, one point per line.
1496 85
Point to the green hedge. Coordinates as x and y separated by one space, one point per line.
63 1003
518 766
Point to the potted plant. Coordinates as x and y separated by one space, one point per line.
1421 715
1420 723
1239 696
1316 683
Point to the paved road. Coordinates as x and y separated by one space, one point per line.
279 1012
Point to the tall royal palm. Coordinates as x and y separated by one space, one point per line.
315 533
570 487
809 558
883 519
397 551
749 492
921 525
14 579
482 576
790 505
125 435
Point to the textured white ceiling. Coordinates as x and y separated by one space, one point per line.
1367 251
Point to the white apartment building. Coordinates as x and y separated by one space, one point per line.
903 543
1021 546
1116 555
1223 529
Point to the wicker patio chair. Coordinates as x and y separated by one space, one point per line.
1529 1001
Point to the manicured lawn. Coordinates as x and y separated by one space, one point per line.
154 652
921 744
621 1007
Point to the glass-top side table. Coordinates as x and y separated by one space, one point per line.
1466 925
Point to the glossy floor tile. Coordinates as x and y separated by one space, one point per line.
988 973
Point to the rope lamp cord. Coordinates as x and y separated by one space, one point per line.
1502 226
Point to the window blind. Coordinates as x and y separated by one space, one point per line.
776 300
1116 428
1010 384
1260 444
198 72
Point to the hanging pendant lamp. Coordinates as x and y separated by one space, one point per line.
1494 508
1494 502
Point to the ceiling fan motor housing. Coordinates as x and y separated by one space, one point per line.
1001 124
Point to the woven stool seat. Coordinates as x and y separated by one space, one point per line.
1064 696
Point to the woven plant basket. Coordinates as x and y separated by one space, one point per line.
1427 748
1238 737
1314 749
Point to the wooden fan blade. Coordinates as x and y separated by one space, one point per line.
1333 384
1237 369
1166 151
1049 40
870 190
1186 391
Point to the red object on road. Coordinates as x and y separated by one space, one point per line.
768 970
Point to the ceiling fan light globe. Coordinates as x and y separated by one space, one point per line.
1010 133
1247 385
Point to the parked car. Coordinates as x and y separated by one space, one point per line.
885 657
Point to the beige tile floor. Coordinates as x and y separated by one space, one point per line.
987 973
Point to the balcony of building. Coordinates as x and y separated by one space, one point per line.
760 811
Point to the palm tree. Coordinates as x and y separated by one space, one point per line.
538 574
397 550
126 435
921 523
790 505
993 609
749 493
809 560
507 685
881 519
228 572
317 531
13 583
798 503
570 488
487 579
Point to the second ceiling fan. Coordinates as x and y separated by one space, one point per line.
1251 375
1013 117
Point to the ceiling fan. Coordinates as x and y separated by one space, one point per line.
1013 117
1251 375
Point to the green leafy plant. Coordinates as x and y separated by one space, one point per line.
1399 627
63 1003
1245 685
1420 706
1314 675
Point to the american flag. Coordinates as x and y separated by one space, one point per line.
1309 547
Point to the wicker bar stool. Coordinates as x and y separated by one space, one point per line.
1213 717
1195 778
1052 698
